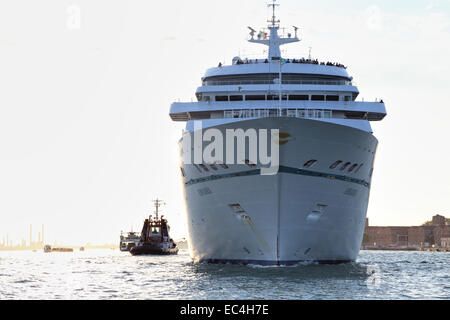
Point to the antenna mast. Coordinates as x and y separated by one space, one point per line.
273 21
158 203
274 41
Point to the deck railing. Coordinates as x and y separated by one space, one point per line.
301 82
262 113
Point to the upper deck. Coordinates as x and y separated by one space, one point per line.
259 67
278 87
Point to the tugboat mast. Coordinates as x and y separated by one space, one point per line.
158 203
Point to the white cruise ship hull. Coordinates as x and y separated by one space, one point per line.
299 214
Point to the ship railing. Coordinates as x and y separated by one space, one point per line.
295 113
301 82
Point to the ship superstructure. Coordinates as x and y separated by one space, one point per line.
314 207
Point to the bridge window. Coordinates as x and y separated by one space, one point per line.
317 98
276 97
255 97
236 98
221 98
334 165
332 98
299 97
309 163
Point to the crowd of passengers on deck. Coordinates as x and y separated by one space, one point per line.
302 60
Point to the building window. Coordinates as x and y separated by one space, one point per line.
334 165
332 98
221 98
236 98
309 163
345 166
299 97
317 98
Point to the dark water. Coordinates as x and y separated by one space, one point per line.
110 274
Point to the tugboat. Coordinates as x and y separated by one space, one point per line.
155 237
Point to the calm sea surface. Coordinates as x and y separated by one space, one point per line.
111 274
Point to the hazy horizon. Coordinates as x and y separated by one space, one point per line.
86 139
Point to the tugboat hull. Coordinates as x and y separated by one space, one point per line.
152 249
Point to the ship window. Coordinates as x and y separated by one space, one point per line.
299 97
345 165
182 171
236 98
273 97
334 165
255 97
221 98
309 163
196 167
347 98
317 98
155 230
352 167
332 98
273 113
205 168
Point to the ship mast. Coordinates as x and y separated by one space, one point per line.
275 41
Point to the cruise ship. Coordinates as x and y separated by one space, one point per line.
313 207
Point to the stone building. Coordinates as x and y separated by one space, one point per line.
437 233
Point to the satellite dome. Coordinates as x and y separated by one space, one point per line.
235 60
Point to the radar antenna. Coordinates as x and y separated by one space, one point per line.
252 32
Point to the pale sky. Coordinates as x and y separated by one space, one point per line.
86 140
